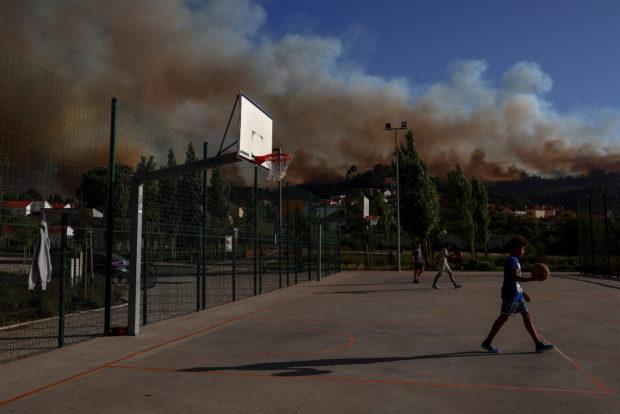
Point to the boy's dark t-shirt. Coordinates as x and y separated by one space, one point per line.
511 289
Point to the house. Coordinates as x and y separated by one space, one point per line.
26 207
61 205
535 211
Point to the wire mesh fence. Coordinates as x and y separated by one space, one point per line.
599 235
67 157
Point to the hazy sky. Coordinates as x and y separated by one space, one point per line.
502 88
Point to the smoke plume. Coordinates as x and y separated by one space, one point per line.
183 62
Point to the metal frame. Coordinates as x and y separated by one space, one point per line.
136 204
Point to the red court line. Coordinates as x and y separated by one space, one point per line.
371 381
81 374
348 344
357 321
576 365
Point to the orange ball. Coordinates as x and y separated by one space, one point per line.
540 271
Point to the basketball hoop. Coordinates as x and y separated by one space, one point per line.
279 164
372 220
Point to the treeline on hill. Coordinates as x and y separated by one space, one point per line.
564 192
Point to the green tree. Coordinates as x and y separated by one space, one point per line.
357 226
190 193
481 213
169 204
419 202
219 203
25 231
93 190
460 207
150 191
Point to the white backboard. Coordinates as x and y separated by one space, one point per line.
366 207
255 131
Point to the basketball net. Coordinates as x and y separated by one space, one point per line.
372 220
279 164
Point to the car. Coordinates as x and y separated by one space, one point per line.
120 270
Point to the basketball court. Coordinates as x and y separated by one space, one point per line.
355 342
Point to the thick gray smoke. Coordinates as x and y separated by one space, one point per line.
184 61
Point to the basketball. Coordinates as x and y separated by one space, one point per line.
540 272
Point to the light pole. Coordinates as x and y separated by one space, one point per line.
388 127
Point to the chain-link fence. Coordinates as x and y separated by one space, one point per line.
599 235
67 155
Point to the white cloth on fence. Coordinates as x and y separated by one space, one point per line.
41 269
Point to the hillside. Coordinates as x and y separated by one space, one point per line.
561 192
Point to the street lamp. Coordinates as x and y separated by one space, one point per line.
388 127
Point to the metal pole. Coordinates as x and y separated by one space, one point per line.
260 267
110 218
296 246
145 295
135 262
280 229
63 282
318 261
607 236
309 237
579 233
325 237
205 219
198 272
234 264
397 199
288 241
592 237
255 226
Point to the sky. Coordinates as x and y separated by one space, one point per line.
575 42
505 89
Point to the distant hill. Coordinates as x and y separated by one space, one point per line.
564 192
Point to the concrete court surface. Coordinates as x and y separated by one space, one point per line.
357 342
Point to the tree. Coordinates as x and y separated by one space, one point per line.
481 213
190 194
150 191
219 203
93 190
419 203
460 207
169 206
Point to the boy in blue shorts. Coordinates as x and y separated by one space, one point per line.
513 298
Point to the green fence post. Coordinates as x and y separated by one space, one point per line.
309 237
63 282
592 247
255 227
260 266
607 236
145 272
279 232
110 219
325 235
198 272
234 264
288 237
205 219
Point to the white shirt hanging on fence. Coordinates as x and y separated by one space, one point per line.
41 261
